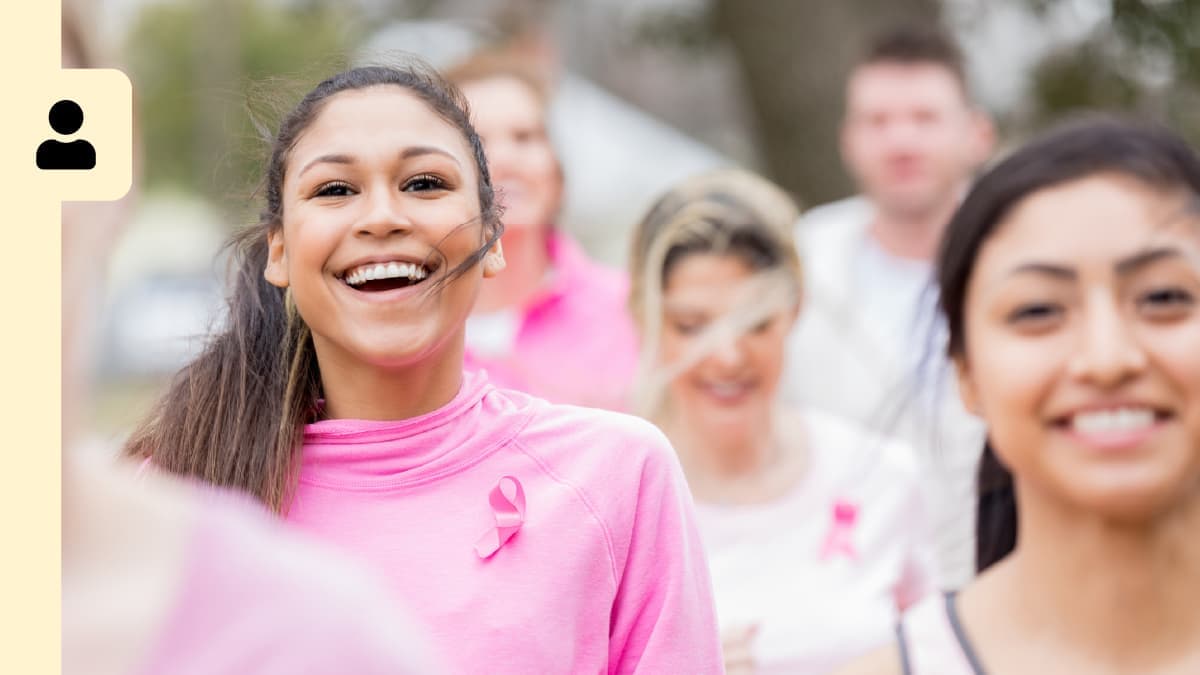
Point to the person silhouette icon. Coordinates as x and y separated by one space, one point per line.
66 117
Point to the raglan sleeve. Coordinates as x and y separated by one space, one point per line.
663 618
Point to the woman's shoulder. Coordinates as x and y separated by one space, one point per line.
561 428
601 450
927 640
618 465
883 661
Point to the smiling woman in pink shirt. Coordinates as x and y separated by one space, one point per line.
530 537
544 325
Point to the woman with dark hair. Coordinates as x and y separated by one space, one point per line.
1070 283
161 576
337 397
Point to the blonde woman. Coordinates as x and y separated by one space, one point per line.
814 529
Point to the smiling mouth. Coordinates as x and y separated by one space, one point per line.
727 391
1116 420
388 276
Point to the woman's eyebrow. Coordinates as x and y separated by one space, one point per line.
418 150
1044 269
407 153
327 159
1123 267
1137 261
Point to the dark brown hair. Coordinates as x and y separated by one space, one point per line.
1152 155
916 45
234 417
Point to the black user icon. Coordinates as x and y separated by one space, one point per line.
66 117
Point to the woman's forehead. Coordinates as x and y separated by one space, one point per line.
707 283
374 118
1096 220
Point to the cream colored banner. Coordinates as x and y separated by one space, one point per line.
30 489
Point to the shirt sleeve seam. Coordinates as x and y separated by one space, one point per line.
612 559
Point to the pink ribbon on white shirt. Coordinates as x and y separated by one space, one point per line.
508 506
840 539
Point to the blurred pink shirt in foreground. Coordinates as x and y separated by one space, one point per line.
256 598
574 343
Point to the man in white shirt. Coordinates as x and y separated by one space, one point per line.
868 344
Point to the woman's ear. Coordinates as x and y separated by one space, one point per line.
276 272
966 385
493 261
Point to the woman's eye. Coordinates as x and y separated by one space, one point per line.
424 183
1169 299
762 326
1034 313
523 136
335 189
688 327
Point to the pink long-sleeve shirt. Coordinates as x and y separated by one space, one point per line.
593 565
575 342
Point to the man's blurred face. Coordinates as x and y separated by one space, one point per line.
910 138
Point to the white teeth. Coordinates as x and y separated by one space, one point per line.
391 270
726 390
1105 421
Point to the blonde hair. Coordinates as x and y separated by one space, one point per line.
724 212
497 64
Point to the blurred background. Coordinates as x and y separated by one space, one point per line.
645 93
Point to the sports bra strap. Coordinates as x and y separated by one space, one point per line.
960 634
930 639
902 646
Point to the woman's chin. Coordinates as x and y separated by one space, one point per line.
390 349
725 407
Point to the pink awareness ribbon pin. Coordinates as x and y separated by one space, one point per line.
841 534
508 506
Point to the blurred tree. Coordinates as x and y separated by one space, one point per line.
1146 60
795 56
201 71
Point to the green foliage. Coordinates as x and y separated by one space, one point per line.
1146 61
690 31
1069 81
1170 27
199 68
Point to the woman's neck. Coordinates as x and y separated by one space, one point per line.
528 258
751 461
355 390
1125 595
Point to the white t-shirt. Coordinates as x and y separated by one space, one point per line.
824 570
870 347
899 300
